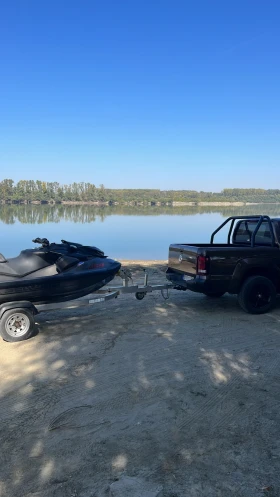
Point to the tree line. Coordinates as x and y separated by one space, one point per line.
26 191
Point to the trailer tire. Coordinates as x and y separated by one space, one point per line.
257 295
17 324
140 295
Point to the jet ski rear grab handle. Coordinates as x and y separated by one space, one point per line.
102 295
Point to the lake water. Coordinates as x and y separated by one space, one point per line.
122 232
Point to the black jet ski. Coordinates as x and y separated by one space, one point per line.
54 272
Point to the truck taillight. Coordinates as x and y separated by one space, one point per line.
202 264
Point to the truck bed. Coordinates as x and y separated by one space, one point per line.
223 257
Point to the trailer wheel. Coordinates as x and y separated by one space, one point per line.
17 325
140 295
257 295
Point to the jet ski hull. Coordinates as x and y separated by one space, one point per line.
84 278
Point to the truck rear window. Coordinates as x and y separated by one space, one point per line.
246 228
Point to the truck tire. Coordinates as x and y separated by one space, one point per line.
257 295
17 325
214 295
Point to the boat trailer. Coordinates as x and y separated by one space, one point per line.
17 321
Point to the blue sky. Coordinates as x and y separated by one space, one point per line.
171 94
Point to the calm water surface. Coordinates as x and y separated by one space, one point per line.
122 232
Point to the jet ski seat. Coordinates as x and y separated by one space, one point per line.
2 258
26 262
30 261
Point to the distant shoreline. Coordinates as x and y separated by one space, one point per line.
137 204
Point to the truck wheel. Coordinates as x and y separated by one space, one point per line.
257 295
214 295
17 325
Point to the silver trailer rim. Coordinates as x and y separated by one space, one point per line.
17 324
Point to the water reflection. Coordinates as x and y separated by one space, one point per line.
41 214
123 232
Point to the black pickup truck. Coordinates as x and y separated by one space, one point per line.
247 265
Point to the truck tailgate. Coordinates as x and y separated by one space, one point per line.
183 258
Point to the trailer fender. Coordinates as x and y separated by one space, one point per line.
23 304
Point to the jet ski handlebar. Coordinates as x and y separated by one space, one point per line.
44 241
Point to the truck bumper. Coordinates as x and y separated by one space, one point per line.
196 283
184 282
